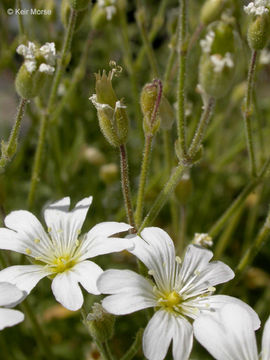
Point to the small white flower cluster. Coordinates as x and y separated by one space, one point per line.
109 6
206 43
30 54
202 240
220 62
257 7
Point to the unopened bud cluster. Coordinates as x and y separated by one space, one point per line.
38 62
100 323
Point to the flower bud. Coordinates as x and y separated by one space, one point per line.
112 116
79 4
211 11
258 32
150 100
183 189
100 324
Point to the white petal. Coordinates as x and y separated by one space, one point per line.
266 341
158 335
97 240
156 250
182 338
67 291
228 335
87 273
10 317
25 277
108 228
217 302
64 225
9 240
195 260
28 230
131 292
214 273
10 295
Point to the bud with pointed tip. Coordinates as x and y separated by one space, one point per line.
150 100
112 114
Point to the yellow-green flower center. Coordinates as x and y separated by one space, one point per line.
62 264
171 300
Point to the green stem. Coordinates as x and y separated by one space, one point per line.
248 112
38 332
238 201
168 70
132 351
156 25
250 254
182 48
140 17
125 184
225 238
20 18
143 177
108 349
128 57
200 131
45 117
9 150
195 36
163 196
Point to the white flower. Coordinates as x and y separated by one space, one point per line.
202 240
10 296
177 290
220 62
206 43
257 7
109 6
47 69
61 253
49 53
31 53
229 335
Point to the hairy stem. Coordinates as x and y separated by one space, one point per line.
125 184
202 126
163 196
156 25
9 149
140 17
38 332
132 351
143 177
49 109
182 62
248 112
216 228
